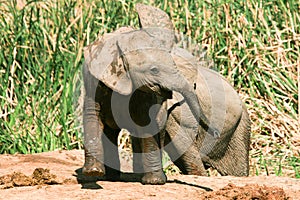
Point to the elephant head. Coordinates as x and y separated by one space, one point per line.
130 59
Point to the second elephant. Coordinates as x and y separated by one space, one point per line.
188 145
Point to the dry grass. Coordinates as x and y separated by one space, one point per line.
255 45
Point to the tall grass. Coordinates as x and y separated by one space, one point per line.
254 44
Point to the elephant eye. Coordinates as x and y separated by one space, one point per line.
154 70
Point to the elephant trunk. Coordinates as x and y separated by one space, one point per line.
192 100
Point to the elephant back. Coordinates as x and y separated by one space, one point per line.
220 102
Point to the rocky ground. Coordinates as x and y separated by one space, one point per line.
57 175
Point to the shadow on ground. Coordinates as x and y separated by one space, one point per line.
90 182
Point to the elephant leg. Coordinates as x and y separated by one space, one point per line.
93 131
180 142
111 154
152 161
137 155
188 161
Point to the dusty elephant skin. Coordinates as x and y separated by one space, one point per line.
229 153
139 80
126 87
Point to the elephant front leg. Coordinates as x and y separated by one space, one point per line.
93 145
152 162
138 167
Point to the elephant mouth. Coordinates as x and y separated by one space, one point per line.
157 89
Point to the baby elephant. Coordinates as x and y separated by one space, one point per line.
188 145
128 76
139 80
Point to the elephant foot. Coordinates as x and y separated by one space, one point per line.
92 167
154 178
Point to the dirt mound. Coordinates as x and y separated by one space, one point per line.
40 176
247 192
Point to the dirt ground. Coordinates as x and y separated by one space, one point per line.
57 175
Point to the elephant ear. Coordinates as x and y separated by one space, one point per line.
150 17
186 63
104 62
157 23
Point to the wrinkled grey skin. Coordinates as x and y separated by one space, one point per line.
192 149
138 80
128 77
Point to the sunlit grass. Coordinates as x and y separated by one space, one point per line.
254 44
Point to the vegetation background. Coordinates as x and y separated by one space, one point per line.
253 43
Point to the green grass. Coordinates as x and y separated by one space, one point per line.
254 44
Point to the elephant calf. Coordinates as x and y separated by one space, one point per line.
139 80
128 77
188 145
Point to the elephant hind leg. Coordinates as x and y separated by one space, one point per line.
235 162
